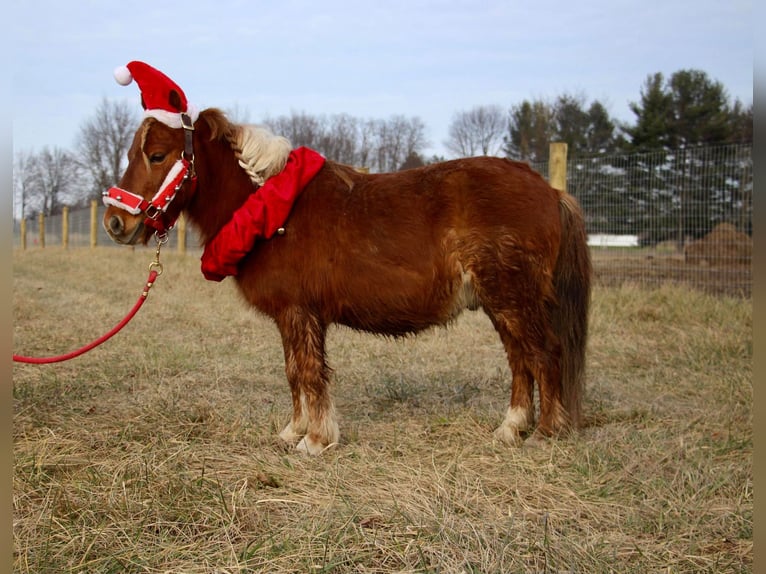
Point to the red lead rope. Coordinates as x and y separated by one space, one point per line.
154 271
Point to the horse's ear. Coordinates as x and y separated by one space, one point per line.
174 99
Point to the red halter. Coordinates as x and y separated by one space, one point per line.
155 208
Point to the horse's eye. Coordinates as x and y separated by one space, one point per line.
157 157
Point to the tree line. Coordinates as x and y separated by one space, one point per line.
683 110
47 180
686 109
380 145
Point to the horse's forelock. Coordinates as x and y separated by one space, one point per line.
144 133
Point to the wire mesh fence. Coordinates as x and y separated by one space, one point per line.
682 216
82 232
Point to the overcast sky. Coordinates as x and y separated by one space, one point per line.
370 59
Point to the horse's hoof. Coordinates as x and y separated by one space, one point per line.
512 430
508 436
312 447
537 440
289 435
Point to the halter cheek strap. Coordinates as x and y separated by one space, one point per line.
155 208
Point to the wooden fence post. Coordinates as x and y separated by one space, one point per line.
23 232
181 234
65 227
93 222
557 166
41 228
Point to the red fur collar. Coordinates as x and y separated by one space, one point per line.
264 212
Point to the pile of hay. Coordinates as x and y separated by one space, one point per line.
721 247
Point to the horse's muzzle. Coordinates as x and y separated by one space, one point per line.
114 226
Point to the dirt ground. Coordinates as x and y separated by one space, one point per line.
719 264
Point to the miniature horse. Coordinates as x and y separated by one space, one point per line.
392 254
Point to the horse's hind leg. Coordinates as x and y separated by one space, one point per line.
534 355
520 416
313 425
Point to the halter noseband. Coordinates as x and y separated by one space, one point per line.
155 208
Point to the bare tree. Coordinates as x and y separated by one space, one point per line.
24 175
55 181
340 141
478 131
380 145
366 143
415 137
301 128
396 139
238 114
103 144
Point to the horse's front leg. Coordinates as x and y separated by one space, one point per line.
313 426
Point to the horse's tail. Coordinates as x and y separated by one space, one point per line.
571 281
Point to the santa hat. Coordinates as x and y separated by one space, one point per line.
161 97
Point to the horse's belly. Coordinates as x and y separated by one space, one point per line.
408 308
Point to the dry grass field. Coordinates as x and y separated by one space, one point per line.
157 452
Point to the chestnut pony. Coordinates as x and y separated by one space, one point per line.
392 254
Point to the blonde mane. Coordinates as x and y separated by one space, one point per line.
259 151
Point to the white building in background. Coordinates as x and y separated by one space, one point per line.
606 240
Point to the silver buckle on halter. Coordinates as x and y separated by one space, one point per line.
153 212
186 122
188 126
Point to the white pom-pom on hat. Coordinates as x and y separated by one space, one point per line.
123 75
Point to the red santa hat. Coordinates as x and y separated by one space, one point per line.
161 97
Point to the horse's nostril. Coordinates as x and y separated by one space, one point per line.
115 224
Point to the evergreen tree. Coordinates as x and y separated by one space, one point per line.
587 130
530 131
413 160
687 109
741 123
653 117
684 185
700 109
571 123
600 130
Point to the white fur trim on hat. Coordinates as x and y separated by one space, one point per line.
172 119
